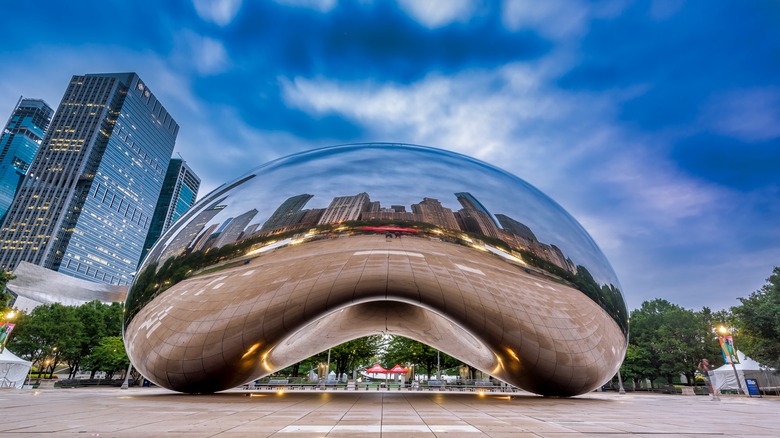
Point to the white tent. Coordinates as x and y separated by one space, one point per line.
13 370
746 368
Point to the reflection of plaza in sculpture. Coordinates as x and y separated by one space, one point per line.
282 260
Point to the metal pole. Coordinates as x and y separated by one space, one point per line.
327 368
438 365
739 384
125 384
620 383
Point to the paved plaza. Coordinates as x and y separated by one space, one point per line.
136 412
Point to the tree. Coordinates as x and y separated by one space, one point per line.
47 335
109 356
354 354
668 340
5 296
758 322
407 351
98 321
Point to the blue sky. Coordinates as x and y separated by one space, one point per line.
655 123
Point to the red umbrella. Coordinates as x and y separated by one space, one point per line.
376 369
397 369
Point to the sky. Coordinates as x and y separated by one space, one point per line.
656 124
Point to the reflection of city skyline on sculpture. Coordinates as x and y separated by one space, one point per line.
473 218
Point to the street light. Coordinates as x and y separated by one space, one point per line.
729 355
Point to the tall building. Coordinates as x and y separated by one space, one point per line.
475 217
515 227
233 231
19 143
345 208
179 190
430 210
286 213
85 207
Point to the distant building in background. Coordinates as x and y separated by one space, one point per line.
345 208
19 143
474 217
430 210
287 213
192 230
85 207
178 193
515 227
233 231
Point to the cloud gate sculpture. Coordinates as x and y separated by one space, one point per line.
318 248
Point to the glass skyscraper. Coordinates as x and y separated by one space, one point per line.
179 190
19 143
85 207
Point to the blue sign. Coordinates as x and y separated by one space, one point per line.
753 389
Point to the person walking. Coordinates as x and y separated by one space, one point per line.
709 378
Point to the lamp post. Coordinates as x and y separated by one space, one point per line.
438 365
327 369
730 355
621 390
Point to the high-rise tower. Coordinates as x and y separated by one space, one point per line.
179 190
475 217
19 143
85 207
345 208
286 213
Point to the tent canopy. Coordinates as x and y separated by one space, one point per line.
745 363
13 370
724 377
397 369
376 369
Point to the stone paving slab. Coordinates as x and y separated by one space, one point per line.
112 412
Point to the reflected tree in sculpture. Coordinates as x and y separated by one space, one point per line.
318 248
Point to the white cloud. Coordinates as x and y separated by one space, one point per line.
656 188
219 12
209 55
550 137
557 19
749 115
459 112
323 6
553 19
438 13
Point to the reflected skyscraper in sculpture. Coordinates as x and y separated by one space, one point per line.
300 255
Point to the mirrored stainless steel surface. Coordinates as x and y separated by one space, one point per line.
318 248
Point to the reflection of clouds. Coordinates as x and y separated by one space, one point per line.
397 174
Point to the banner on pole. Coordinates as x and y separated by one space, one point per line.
727 348
5 331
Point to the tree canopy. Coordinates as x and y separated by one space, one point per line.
53 333
758 322
402 350
667 340
5 296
